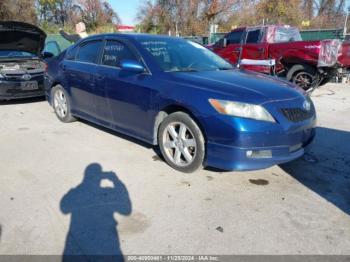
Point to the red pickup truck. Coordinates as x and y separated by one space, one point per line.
306 63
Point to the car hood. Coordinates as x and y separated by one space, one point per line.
21 37
245 86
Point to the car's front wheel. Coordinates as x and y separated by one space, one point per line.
181 142
61 104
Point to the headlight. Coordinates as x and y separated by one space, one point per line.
241 110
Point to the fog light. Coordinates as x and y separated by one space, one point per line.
259 153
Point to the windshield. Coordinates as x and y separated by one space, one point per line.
14 53
177 55
283 34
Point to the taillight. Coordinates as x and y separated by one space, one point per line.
46 67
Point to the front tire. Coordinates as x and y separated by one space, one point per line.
61 104
181 142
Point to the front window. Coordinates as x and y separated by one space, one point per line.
253 36
114 52
177 55
15 53
234 37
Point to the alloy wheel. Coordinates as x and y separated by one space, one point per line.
304 80
60 103
179 144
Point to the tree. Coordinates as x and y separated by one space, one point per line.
147 16
280 11
96 13
18 10
185 17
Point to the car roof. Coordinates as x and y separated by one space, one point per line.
131 36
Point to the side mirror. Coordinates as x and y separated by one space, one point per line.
132 66
47 55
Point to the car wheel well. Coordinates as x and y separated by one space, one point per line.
169 110
52 86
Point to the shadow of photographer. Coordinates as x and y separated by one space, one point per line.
92 204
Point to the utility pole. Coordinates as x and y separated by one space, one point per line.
346 23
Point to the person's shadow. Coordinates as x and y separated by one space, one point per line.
93 229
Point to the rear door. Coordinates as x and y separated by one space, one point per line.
82 77
233 47
255 49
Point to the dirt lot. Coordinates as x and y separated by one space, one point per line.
50 203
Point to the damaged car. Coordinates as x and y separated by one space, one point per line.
21 60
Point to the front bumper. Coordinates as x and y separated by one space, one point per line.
13 90
235 158
245 144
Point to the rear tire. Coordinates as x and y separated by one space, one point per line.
303 76
181 142
61 104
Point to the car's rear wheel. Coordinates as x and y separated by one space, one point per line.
61 104
181 142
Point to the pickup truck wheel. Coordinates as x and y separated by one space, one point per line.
303 76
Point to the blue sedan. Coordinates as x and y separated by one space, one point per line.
177 94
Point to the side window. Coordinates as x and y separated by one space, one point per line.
89 52
71 53
234 37
253 36
114 52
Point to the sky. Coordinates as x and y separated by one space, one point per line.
126 9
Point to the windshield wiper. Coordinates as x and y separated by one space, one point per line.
224 68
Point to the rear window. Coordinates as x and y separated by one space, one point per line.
71 53
283 34
89 52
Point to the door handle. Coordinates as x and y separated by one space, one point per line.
238 49
260 50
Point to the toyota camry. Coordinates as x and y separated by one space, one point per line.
174 93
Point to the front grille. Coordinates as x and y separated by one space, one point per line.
19 76
297 114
